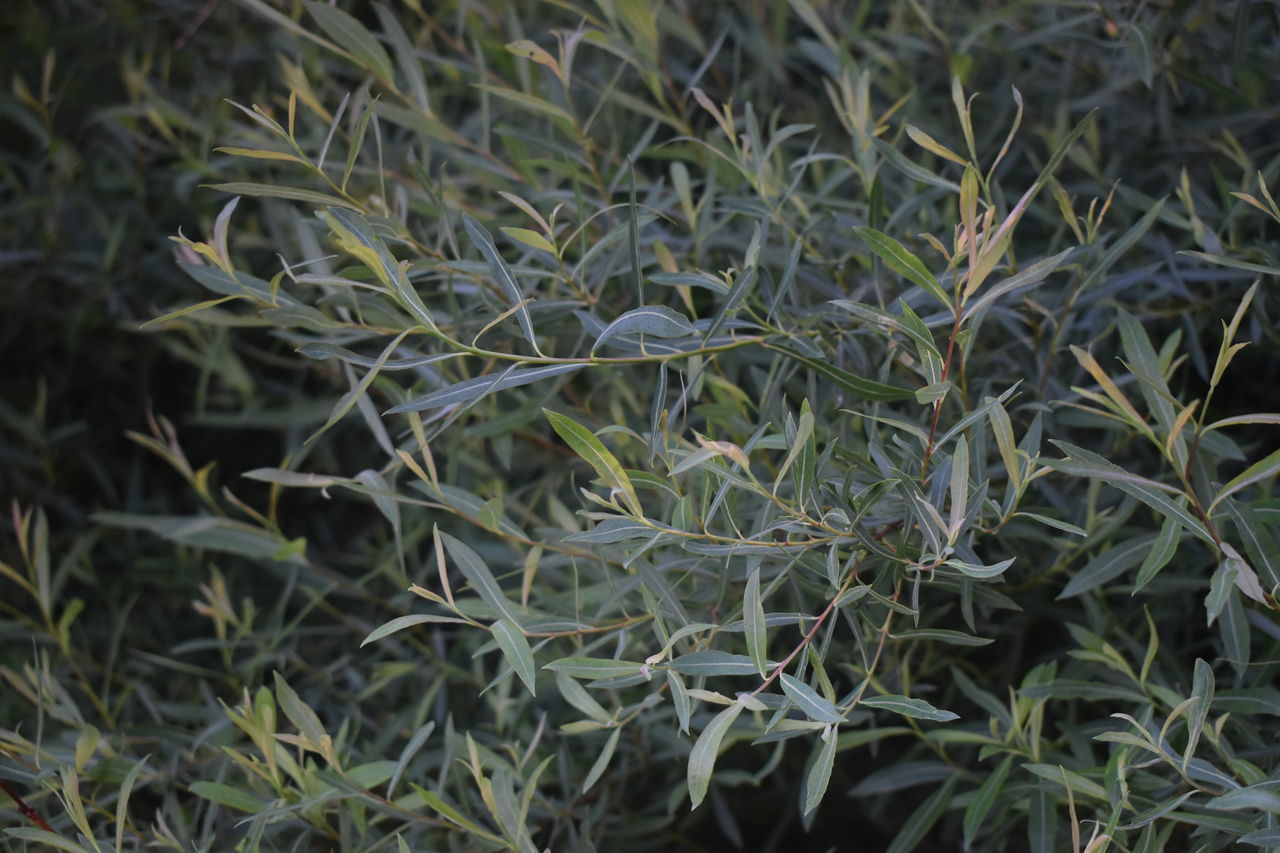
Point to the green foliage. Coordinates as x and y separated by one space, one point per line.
681 409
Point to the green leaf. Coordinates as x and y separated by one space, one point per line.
1085 463
402 622
410 749
1201 699
1074 781
478 387
577 696
959 487
928 143
754 622
1161 552
122 805
866 389
226 795
529 238
907 707
942 635
903 262
529 102
917 826
1111 563
298 712
983 800
290 193
702 758
602 761
1258 471
1221 586
799 444
1222 260
619 529
656 320
713 662
820 766
502 273
592 450
352 37
813 705
478 575
1262 797
515 646
448 812
211 532
1032 275
594 669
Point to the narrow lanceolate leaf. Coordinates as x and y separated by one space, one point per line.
602 761
819 776
713 662
1201 698
980 806
917 826
290 193
298 712
1030 276
866 389
529 238
502 273
1261 470
479 576
577 696
928 143
592 450
959 487
595 669
353 37
908 707
122 805
804 432
1161 552
943 635
753 621
515 646
1110 564
480 386
658 321
902 262
702 758
1086 463
402 622
814 706
260 154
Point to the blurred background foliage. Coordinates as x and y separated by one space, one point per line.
111 432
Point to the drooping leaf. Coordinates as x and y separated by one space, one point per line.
702 758
656 320
819 775
515 646
902 262
753 619
478 575
908 707
594 669
594 453
813 705
502 274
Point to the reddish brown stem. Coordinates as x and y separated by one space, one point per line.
27 811
937 407
822 617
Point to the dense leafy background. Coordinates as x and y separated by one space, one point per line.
213 512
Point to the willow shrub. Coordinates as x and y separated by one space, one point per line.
712 470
